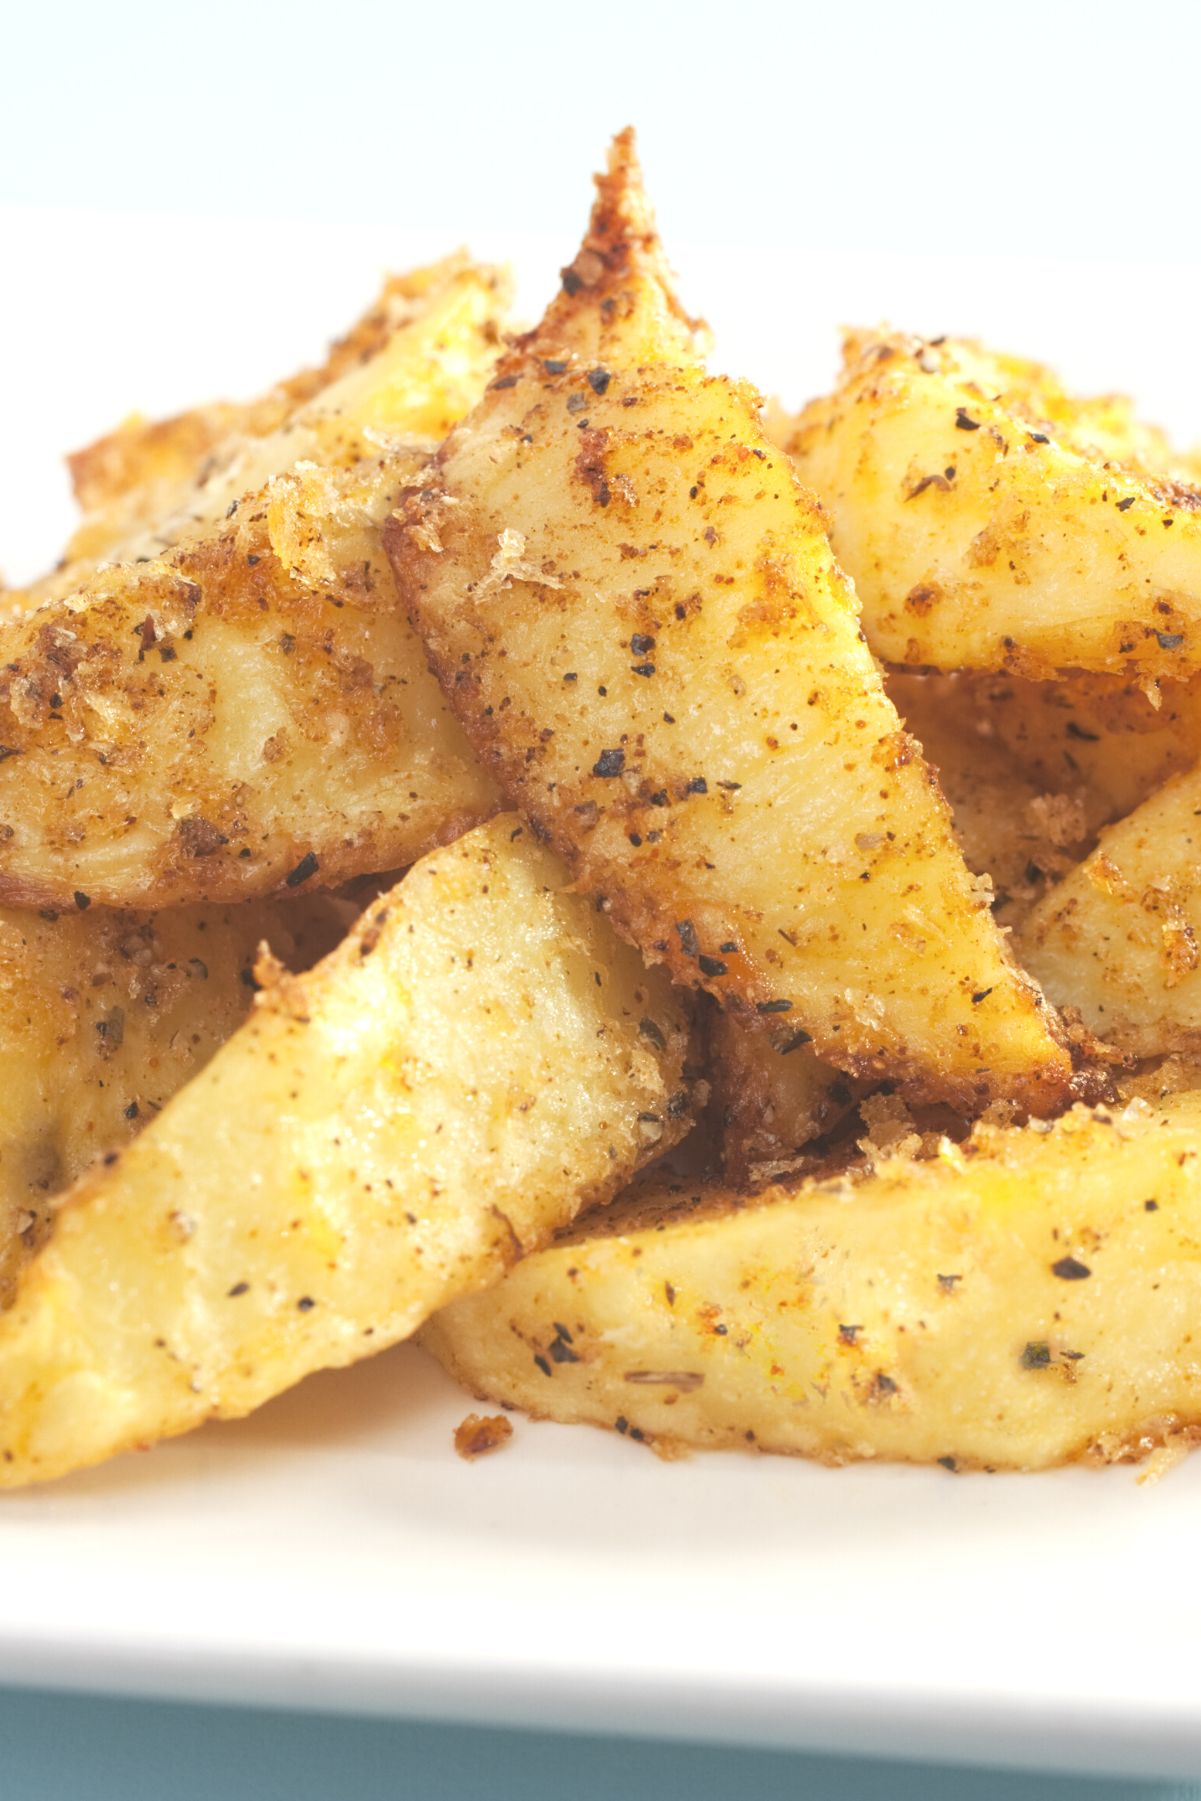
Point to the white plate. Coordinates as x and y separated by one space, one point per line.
333 1551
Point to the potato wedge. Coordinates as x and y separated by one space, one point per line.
139 473
1118 939
479 1058
1012 828
238 703
1108 741
772 1097
1034 770
989 520
635 612
231 720
142 455
410 367
1021 1301
103 1016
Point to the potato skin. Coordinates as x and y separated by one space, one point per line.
634 610
991 521
1028 1299
478 1059
103 1016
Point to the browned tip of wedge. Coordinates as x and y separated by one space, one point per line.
619 271
622 226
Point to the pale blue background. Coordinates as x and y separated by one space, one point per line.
948 129
70 1748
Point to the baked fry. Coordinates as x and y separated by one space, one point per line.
478 1059
1021 1301
636 614
1118 939
103 1016
772 1098
410 367
237 704
989 520
1012 829
233 720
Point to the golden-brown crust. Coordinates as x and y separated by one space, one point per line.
621 252
140 451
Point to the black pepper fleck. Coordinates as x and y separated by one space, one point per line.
308 866
686 932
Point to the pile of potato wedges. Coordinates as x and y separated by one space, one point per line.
693 911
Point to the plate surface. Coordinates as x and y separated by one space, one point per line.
333 1551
